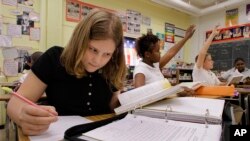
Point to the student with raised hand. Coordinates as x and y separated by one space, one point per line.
204 63
149 68
148 49
84 78
239 67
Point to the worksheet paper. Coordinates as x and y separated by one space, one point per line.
57 129
142 128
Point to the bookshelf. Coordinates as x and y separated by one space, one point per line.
178 75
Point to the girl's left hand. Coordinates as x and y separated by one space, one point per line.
187 92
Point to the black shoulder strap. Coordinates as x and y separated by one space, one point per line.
75 131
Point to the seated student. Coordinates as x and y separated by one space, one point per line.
237 32
246 31
84 78
239 67
218 37
227 34
148 48
204 63
30 61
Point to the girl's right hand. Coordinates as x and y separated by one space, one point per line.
34 121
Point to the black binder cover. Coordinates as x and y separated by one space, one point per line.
74 132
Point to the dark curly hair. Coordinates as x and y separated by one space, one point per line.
145 43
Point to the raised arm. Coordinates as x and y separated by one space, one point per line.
203 50
173 50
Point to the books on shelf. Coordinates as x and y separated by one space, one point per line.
189 109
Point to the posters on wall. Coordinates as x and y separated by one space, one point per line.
232 33
25 22
179 32
146 20
129 50
123 18
21 25
5 41
232 17
77 10
9 63
34 16
85 9
1 27
10 67
1 24
10 2
14 30
248 12
133 22
35 34
169 32
161 36
73 10
26 2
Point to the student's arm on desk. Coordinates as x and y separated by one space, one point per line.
59 127
31 119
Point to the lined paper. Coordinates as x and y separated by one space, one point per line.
57 129
141 128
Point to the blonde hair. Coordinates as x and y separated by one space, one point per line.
98 25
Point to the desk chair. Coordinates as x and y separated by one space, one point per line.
247 110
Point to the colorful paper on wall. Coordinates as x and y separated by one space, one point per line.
232 17
169 32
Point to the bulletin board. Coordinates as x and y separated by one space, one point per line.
20 31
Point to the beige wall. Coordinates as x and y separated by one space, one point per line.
59 30
55 30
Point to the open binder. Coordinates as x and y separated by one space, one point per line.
141 128
147 123
188 109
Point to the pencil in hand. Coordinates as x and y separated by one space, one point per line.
25 99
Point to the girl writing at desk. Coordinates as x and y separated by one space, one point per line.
84 78
204 63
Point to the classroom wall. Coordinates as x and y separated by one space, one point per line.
55 30
158 14
207 22
23 42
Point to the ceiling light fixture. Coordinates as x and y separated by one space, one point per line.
194 11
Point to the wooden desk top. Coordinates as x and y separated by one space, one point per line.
209 96
22 137
243 90
8 84
5 97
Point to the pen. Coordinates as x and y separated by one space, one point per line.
25 99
